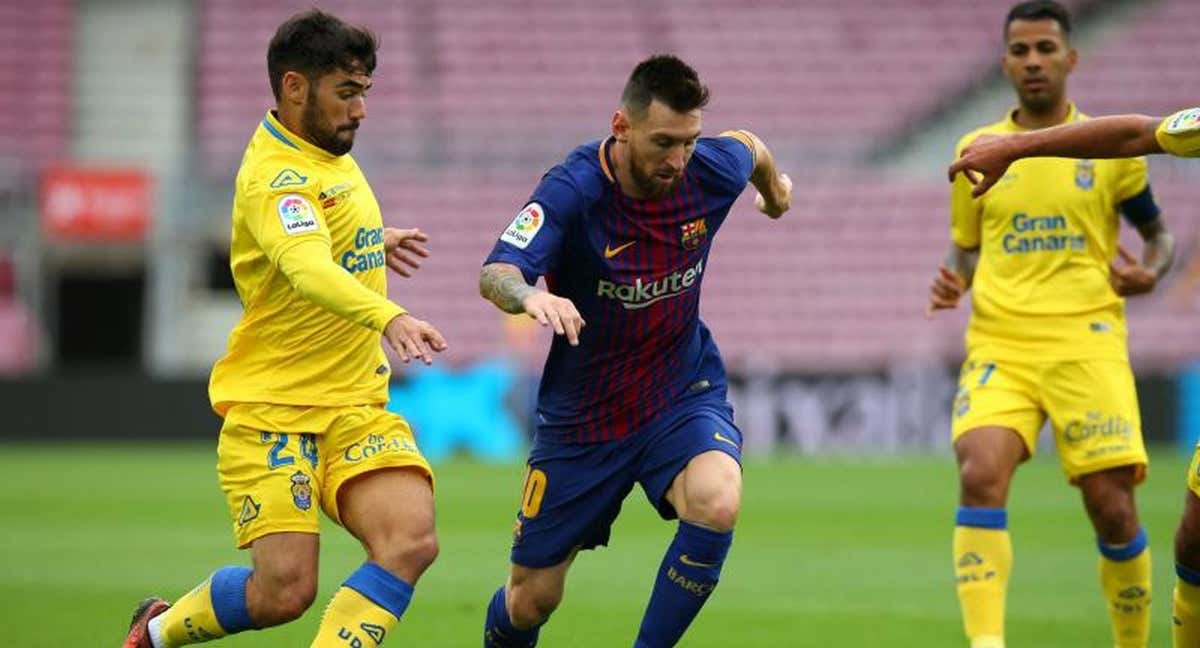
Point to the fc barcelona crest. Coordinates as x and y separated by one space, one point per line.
693 234
1085 174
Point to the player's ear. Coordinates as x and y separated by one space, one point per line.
1072 59
295 87
620 126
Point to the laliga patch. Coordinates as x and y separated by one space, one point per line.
297 214
525 226
1184 121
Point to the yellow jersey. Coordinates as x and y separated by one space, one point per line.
1047 232
309 264
1179 134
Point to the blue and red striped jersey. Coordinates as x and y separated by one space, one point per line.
633 268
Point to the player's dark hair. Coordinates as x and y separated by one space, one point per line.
315 43
1039 10
668 79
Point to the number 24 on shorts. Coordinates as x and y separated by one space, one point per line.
278 457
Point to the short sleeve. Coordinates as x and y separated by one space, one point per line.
731 159
281 213
965 211
1131 178
1179 134
534 239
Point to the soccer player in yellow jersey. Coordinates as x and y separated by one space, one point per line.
303 384
1108 137
1047 338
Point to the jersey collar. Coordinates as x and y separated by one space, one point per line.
1072 115
281 134
605 161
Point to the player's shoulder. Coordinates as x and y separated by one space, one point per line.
584 168
995 128
278 170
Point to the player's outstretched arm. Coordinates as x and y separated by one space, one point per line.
404 250
410 337
774 188
504 285
952 280
1132 277
985 160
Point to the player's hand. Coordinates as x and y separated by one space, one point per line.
945 291
781 199
1131 278
557 312
984 161
411 338
404 250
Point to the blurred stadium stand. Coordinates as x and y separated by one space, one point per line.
472 101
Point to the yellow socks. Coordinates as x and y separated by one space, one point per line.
982 564
1185 615
1125 581
364 610
215 608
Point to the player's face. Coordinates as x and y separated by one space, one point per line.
660 143
335 105
1037 60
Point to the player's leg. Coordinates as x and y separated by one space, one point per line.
995 427
1124 551
379 488
571 495
1186 599
691 472
520 607
268 479
1098 431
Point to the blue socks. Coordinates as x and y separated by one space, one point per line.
688 574
228 588
498 630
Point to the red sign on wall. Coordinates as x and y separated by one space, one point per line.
95 203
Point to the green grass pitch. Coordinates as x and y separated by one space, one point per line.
829 552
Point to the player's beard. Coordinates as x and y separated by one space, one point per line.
1039 103
318 130
647 184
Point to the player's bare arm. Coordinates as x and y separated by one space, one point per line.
986 159
404 250
504 285
1132 277
411 338
774 188
953 279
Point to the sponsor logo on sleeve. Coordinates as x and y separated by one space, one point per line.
525 226
297 214
288 178
1184 121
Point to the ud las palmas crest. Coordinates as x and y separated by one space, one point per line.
301 491
1085 174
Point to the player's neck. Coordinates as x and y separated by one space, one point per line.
1031 120
618 153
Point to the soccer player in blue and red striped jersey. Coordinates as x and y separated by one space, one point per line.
621 231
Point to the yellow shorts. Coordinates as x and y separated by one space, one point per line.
274 474
1092 405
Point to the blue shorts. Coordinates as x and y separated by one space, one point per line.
573 492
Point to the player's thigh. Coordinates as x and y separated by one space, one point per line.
367 439
692 466
269 480
570 497
1187 536
1097 425
995 394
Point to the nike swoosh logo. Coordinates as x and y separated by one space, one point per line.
724 439
692 563
612 252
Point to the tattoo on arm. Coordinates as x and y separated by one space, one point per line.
1160 247
504 285
963 262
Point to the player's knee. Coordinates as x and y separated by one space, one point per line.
717 510
286 599
1187 546
983 483
407 555
532 606
1115 520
